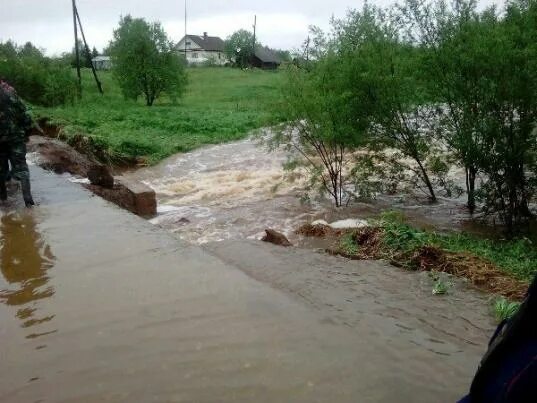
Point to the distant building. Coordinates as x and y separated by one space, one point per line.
266 59
202 49
102 63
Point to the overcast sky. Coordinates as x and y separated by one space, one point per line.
281 23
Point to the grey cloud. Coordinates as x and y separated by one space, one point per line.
283 23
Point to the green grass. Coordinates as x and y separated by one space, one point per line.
220 105
347 244
504 309
516 257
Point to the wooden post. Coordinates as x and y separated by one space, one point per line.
88 53
185 33
253 45
77 55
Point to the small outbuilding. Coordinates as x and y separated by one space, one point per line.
266 59
102 63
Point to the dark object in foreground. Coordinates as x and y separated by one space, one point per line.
15 125
276 238
508 371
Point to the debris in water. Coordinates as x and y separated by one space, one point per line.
316 230
276 238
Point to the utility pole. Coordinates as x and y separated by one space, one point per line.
185 30
88 53
76 48
253 45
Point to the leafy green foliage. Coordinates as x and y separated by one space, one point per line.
422 86
239 47
219 105
312 106
440 287
517 257
482 67
505 309
348 245
145 62
38 79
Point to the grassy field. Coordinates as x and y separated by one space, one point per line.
220 105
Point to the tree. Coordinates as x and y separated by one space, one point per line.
316 129
324 118
447 35
381 78
240 47
85 57
283 55
145 62
482 67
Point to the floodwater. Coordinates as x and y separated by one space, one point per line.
237 190
99 305
26 259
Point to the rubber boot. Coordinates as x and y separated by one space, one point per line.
27 192
3 191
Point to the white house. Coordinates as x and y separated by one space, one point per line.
101 63
202 49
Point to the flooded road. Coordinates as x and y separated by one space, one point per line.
99 305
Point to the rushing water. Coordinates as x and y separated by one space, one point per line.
227 191
237 190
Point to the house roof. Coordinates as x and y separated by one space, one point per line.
267 56
211 43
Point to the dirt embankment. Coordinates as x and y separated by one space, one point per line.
88 146
368 244
82 158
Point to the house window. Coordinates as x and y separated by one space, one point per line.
195 55
219 55
188 43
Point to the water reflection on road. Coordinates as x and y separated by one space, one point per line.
25 260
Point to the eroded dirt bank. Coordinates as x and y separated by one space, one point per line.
110 307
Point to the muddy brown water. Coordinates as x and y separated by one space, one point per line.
236 190
99 305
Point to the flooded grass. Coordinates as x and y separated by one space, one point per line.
505 309
499 267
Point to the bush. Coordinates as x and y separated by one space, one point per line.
38 79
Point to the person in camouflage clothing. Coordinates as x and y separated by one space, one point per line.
15 126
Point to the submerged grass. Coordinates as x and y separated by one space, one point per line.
517 257
505 309
220 105
502 267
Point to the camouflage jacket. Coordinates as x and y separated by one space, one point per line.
15 121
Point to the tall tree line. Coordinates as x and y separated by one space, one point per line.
418 87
